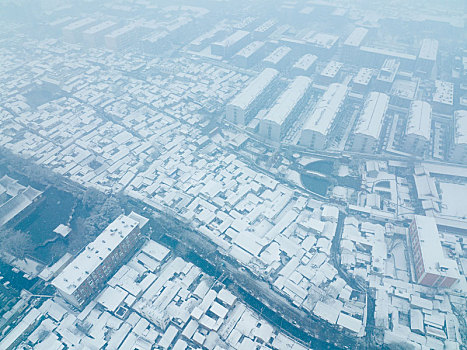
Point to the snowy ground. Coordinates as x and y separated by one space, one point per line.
454 199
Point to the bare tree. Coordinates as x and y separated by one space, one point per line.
16 243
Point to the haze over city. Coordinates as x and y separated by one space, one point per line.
245 175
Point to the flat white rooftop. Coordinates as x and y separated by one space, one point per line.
99 27
388 53
305 62
356 37
122 31
278 54
234 38
331 69
79 24
244 99
92 256
323 40
250 49
444 92
431 249
266 26
363 76
428 49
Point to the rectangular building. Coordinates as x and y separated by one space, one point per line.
418 130
320 122
94 36
279 118
279 58
304 65
230 45
362 81
375 57
322 44
368 129
249 55
459 142
443 97
87 274
330 73
403 92
427 56
356 38
123 37
72 31
264 30
247 103
387 74
350 49
431 267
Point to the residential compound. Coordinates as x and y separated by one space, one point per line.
317 127
246 104
280 117
326 194
154 300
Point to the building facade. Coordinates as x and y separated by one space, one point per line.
279 118
247 103
418 130
320 122
87 274
368 129
431 267
459 143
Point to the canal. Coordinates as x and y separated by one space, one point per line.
318 184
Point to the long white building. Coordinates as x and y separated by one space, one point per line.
278 58
278 119
417 134
304 64
94 36
244 106
427 55
72 31
431 267
231 44
122 38
356 38
368 129
90 270
459 144
320 122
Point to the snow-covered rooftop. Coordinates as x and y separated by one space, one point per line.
288 100
419 121
94 254
255 88
326 109
371 119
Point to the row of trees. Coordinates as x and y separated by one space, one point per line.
100 210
